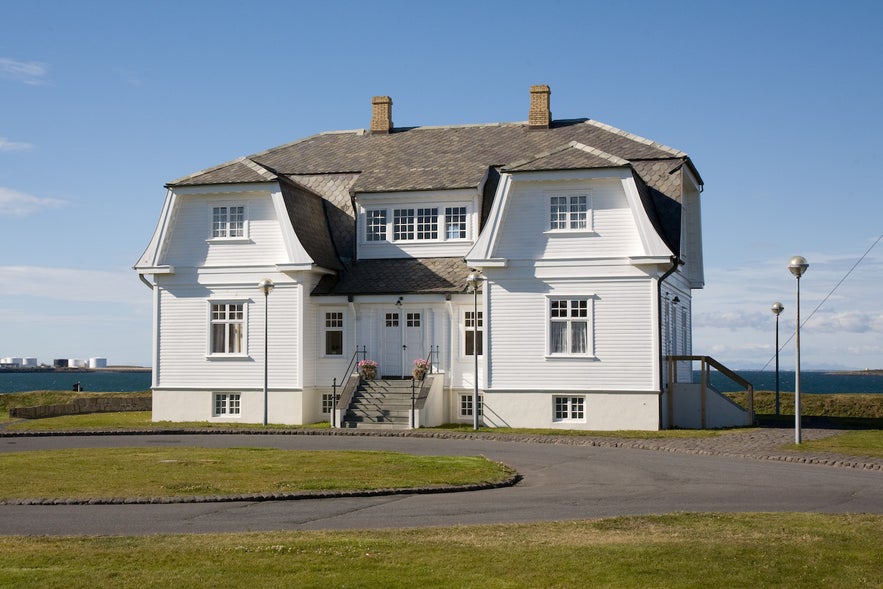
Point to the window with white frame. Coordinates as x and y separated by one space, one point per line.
375 225
227 404
228 222
227 328
455 223
412 319
416 224
569 408
570 212
334 333
466 405
403 224
328 402
570 326
473 333
427 224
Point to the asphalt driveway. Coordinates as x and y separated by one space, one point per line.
561 481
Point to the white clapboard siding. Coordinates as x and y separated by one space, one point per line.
184 330
525 233
622 335
190 244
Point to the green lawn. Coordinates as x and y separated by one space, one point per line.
671 551
106 473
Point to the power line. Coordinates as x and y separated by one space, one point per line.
824 300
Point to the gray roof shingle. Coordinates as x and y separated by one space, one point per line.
331 168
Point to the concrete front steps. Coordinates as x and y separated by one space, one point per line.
380 404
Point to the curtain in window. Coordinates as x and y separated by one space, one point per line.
579 337
558 338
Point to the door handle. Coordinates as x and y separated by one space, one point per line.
405 347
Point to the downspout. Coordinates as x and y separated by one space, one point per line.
145 281
675 262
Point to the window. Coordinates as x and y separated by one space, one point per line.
227 327
334 333
412 319
569 212
466 405
569 326
473 338
228 222
392 319
375 228
328 402
416 224
455 223
227 403
570 408
427 224
403 224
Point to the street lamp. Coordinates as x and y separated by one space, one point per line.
266 285
473 282
777 308
797 265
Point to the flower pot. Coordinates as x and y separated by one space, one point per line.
419 373
369 373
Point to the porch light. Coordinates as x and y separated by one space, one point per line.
797 265
266 285
473 283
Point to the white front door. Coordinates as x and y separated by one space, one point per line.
402 342
391 344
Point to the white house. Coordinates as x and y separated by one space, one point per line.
589 239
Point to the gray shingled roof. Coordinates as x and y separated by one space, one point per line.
398 276
428 158
333 167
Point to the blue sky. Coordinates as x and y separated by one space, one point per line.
778 104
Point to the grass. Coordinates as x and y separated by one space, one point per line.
105 473
858 406
37 398
850 443
672 551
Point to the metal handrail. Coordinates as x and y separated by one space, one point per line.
433 352
346 382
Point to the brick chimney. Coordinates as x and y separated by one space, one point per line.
381 115
539 117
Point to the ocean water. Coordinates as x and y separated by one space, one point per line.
95 382
118 382
810 381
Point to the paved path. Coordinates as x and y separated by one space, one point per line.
564 478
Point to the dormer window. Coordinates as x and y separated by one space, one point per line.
571 212
375 225
228 222
416 224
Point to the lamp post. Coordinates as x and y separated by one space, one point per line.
797 265
777 308
473 282
266 285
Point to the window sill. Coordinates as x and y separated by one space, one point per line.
218 240
571 357
572 232
213 357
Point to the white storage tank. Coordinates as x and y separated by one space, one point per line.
29 363
97 362
75 363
